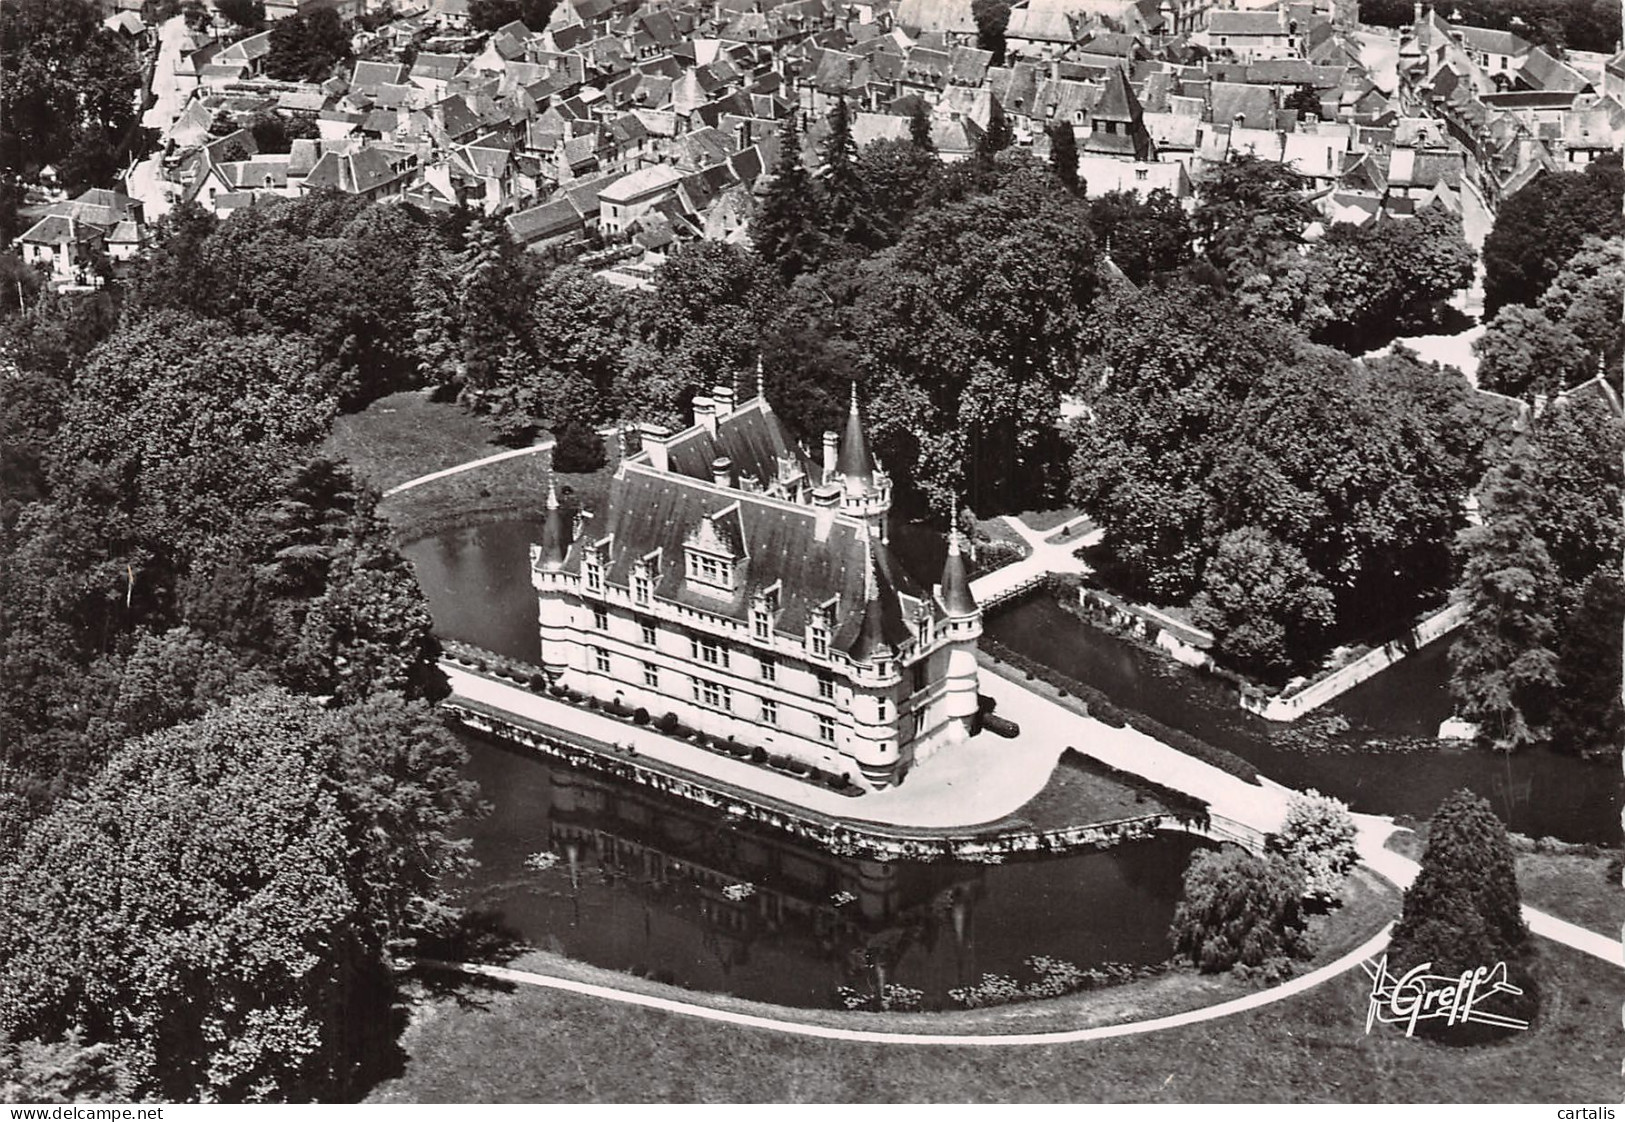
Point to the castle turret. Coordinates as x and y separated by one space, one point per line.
876 675
963 628
865 488
548 577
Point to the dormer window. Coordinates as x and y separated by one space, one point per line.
640 589
706 569
818 636
593 572
760 625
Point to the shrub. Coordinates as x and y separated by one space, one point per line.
667 723
1107 713
538 682
1318 837
1239 909
1462 911
640 716
758 755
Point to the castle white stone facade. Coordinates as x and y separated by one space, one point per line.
744 588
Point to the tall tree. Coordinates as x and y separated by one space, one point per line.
1503 667
1589 717
992 17
1250 211
786 228
1144 237
218 905
1462 911
1063 155
847 213
998 135
1540 226
1523 353
1267 607
919 129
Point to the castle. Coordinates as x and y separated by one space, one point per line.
744 588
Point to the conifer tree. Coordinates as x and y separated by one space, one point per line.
1063 155
919 129
846 211
998 136
785 230
1503 667
1462 911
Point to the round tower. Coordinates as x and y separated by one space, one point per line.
553 588
962 628
875 677
865 488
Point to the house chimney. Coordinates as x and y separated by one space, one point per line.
831 454
705 414
724 396
722 471
653 438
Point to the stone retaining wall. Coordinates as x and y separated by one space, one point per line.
1291 707
845 838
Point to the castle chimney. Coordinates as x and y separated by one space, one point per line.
724 396
705 414
722 471
831 454
653 442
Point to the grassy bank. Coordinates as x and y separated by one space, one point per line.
489 1044
404 436
1579 883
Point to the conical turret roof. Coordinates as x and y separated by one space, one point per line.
883 629
956 595
555 538
855 464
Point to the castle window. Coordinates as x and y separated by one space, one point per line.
708 651
818 639
770 669
882 709
826 729
770 711
640 589
760 626
600 619
712 694
651 676
594 574
648 633
600 658
919 723
826 686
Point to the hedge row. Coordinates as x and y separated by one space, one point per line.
671 725
1102 709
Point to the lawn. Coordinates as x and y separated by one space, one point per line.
1576 883
1078 793
1048 519
406 435
491 1044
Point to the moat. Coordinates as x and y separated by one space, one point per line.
637 883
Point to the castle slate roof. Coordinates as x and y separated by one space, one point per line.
752 436
813 556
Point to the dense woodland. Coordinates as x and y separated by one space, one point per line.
198 605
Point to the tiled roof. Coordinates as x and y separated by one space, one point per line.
546 221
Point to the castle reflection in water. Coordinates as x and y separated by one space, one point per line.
683 894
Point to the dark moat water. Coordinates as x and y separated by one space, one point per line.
640 883
637 883
1385 762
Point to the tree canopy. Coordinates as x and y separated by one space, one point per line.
1542 225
